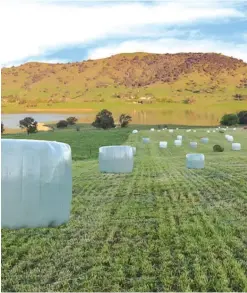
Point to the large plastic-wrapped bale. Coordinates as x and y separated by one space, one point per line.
204 140
135 131
195 161
208 131
171 130
226 136
234 129
36 183
134 150
116 159
194 131
179 137
145 140
178 142
163 144
193 144
236 146
152 129
188 130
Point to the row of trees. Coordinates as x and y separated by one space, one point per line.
104 120
234 119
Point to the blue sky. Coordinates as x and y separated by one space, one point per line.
68 31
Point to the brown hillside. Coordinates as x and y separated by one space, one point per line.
105 78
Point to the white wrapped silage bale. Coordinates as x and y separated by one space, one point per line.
158 130
171 130
145 140
152 129
178 142
236 146
179 137
193 144
135 131
213 131
36 183
188 130
226 136
194 130
163 144
195 161
134 150
234 129
208 131
204 140
230 138
116 159
163 128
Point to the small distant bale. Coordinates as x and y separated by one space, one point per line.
145 140
163 144
236 146
204 140
193 144
178 142
218 148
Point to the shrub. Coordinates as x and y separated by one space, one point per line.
222 131
242 116
104 120
72 120
62 124
229 119
218 148
124 120
2 128
30 124
77 128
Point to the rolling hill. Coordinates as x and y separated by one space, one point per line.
199 79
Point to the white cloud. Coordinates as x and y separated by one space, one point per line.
172 45
34 28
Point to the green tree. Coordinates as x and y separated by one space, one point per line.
104 120
229 119
30 124
62 124
242 116
72 120
124 120
2 128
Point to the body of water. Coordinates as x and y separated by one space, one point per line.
12 120
185 117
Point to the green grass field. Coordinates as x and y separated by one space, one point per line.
161 228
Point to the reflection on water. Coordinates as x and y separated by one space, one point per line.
173 117
12 120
